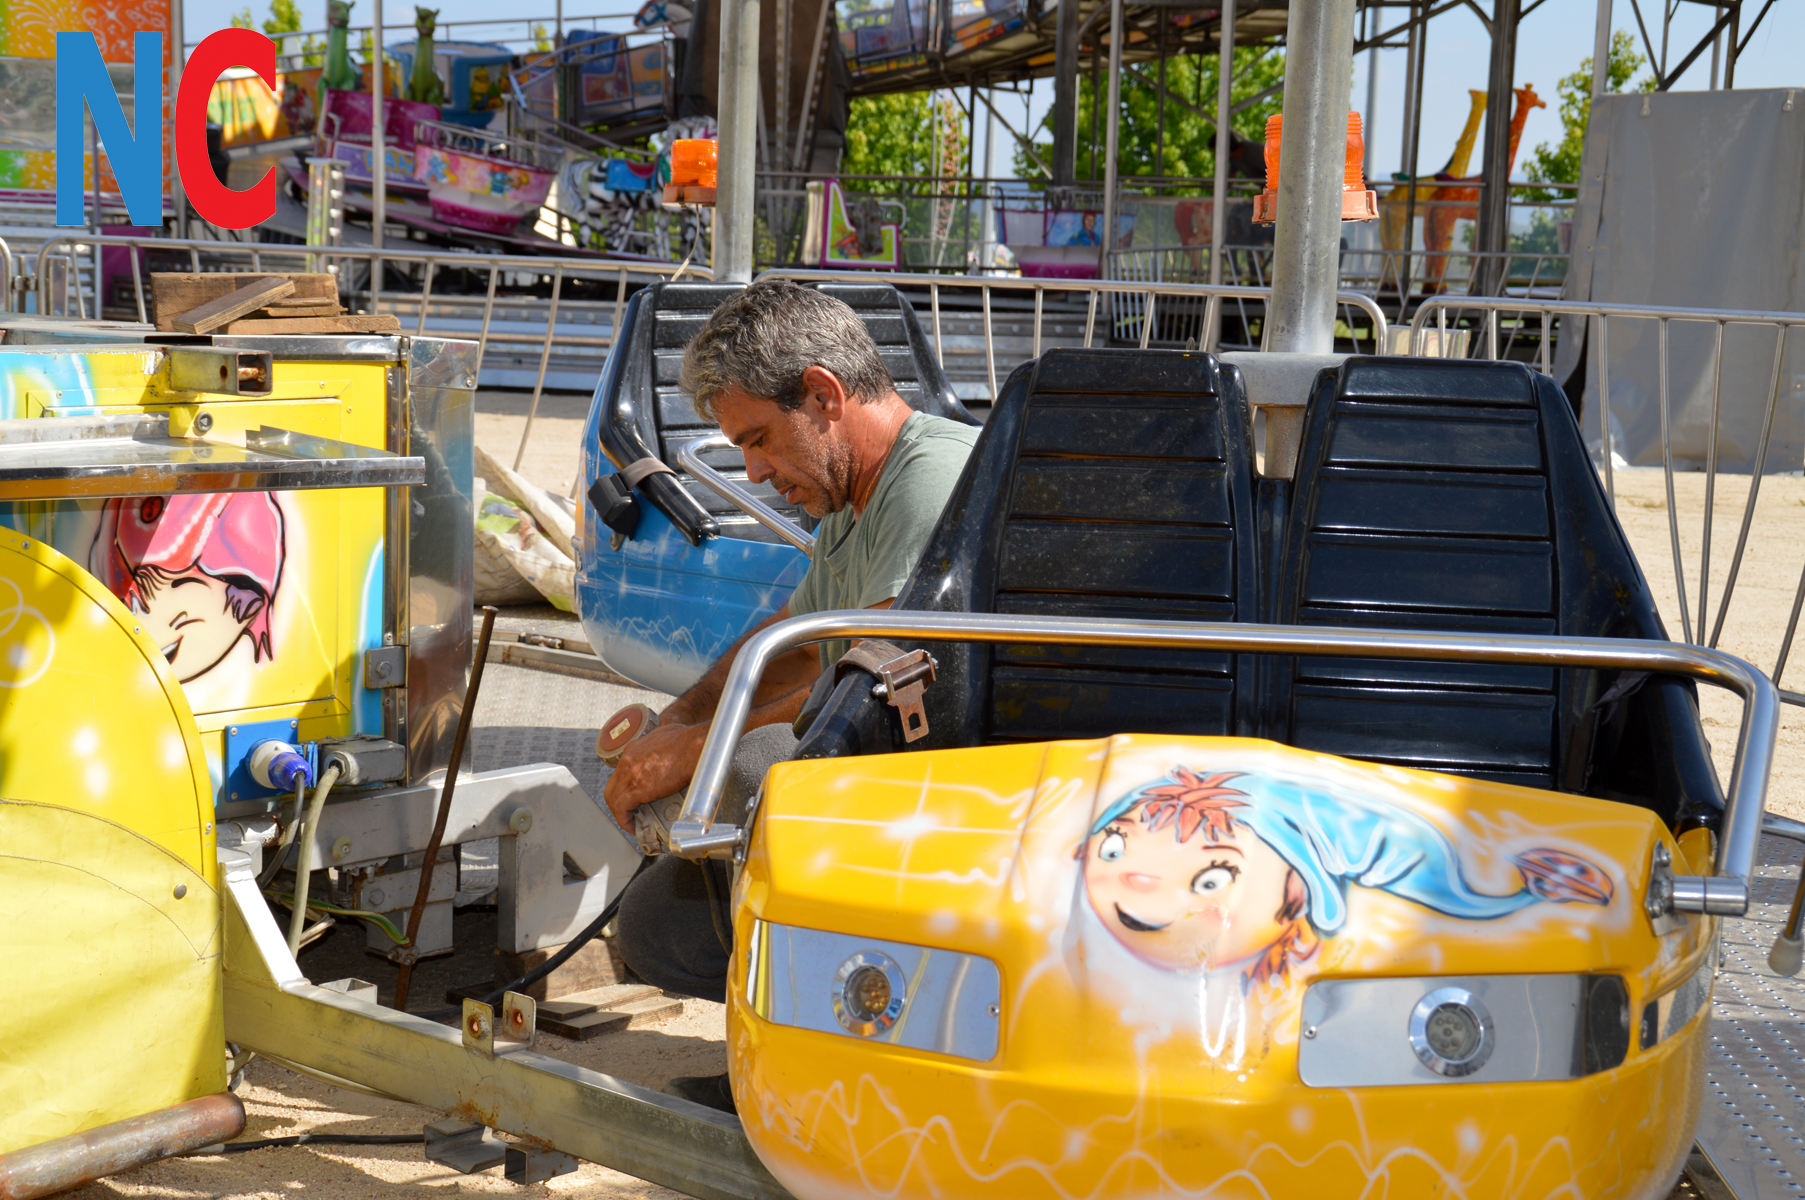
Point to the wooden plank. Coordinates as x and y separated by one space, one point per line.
282 326
232 305
174 293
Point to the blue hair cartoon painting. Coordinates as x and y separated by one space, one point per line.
1192 875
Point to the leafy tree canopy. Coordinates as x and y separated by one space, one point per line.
899 134
1559 163
1190 140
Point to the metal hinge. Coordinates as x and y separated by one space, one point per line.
903 680
385 667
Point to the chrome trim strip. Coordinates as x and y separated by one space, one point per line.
951 1002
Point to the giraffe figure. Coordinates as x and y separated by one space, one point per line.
1462 203
339 74
424 84
1394 209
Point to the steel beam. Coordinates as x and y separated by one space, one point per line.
272 1009
737 124
1306 260
1493 235
1065 95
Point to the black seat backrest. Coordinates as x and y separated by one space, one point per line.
1458 497
1106 484
649 413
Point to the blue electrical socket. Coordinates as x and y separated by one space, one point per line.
241 739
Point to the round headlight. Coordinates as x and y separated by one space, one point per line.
1451 1032
868 993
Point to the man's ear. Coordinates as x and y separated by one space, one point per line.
825 388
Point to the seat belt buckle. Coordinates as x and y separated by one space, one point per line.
903 680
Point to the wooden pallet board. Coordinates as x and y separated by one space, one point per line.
223 310
174 293
290 326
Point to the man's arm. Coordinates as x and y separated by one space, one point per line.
796 668
664 761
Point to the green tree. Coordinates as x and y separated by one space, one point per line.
896 135
1559 163
1190 139
542 40
285 18
242 19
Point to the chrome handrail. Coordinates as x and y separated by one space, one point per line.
690 455
695 835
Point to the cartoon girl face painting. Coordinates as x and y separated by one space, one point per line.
203 570
1192 875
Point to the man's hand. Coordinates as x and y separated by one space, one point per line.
652 768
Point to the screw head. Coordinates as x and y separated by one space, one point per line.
203 423
181 889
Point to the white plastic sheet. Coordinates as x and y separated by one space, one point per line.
1697 200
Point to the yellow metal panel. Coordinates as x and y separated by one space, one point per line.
109 908
1157 908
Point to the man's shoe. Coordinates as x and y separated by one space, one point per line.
712 1091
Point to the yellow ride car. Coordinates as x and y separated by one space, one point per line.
1345 834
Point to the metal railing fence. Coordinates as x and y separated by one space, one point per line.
1131 323
1492 313
452 313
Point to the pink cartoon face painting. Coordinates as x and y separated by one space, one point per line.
203 571
1191 875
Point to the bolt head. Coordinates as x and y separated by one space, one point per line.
181 889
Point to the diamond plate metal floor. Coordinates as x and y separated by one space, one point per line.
1753 1124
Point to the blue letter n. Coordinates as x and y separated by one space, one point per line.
137 159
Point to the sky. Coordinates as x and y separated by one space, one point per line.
1551 42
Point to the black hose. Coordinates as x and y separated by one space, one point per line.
314 1139
716 908
561 957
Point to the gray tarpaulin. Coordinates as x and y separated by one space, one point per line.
1696 200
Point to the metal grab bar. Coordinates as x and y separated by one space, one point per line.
690 455
695 834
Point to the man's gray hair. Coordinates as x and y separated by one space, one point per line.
761 341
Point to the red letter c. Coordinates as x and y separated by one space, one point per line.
213 200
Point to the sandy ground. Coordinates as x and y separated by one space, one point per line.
281 1103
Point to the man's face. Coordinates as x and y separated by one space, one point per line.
1189 906
799 452
191 617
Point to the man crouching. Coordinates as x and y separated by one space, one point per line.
795 382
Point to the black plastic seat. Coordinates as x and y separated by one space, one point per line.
1445 496
647 412
1106 483
1458 497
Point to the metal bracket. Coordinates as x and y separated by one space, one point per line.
527 1165
220 372
385 667
1717 895
519 1025
463 1146
356 988
903 680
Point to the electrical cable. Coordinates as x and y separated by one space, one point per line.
375 918
280 850
555 961
310 1139
297 923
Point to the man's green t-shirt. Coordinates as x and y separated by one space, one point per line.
863 560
